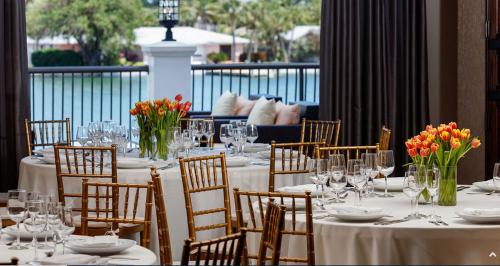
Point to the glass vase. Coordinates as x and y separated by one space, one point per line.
448 186
144 143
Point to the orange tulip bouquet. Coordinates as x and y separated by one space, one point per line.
443 147
155 119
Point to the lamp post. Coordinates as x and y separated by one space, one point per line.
168 14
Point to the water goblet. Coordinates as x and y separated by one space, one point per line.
371 171
66 226
208 131
385 166
252 133
47 200
16 207
35 222
356 177
82 135
413 184
338 180
432 186
225 135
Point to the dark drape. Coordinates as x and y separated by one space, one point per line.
374 69
14 95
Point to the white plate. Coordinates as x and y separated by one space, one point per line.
236 161
47 151
278 154
300 203
478 218
256 147
393 184
25 235
485 185
52 160
372 214
79 246
132 163
300 189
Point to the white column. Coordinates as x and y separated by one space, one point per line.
169 69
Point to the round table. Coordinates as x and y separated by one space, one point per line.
140 255
412 242
41 177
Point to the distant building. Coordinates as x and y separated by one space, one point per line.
56 42
301 31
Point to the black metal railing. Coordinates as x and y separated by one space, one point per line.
86 94
292 81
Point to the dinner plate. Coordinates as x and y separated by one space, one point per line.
393 184
485 185
25 235
236 161
300 203
256 147
52 160
47 151
357 214
79 245
278 154
132 163
479 218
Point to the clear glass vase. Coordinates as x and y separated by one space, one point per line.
448 186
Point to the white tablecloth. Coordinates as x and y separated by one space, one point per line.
41 177
142 256
413 242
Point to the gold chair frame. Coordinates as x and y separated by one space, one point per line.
38 133
274 224
161 219
317 131
325 152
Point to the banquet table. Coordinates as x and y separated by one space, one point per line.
412 242
135 255
41 177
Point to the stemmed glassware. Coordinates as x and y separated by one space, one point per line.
432 185
413 184
252 133
82 135
66 226
385 166
356 177
338 180
187 141
95 132
225 135
496 176
176 142
371 171
47 201
196 127
136 131
35 222
319 175
208 131
16 206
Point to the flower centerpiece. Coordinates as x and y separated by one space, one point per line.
443 147
155 119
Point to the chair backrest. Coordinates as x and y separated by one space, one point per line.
200 175
350 152
161 219
184 124
385 139
252 218
317 131
274 223
75 163
47 133
126 209
226 250
293 157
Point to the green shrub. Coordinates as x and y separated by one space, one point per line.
53 57
217 57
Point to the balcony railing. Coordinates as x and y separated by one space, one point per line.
88 94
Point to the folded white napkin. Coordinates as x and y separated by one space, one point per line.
482 212
347 209
100 241
298 189
256 147
300 204
74 259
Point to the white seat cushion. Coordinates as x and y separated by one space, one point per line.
263 113
225 105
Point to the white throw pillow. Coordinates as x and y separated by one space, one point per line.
225 105
263 112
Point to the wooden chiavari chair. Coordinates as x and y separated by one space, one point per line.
253 219
385 139
125 213
47 133
161 218
350 152
199 175
294 157
75 163
184 124
317 131
274 224
227 250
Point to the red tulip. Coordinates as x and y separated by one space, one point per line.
434 147
424 152
412 152
178 97
453 125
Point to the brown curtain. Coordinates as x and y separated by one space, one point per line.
14 94
374 69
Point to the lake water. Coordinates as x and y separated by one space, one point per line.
86 99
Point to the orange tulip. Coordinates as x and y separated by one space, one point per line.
465 134
445 136
431 138
455 143
409 144
434 147
412 152
433 131
133 111
424 152
428 128
453 125
424 134
475 143
456 133
178 97
187 106
426 144
161 112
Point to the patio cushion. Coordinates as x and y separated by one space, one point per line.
263 113
225 105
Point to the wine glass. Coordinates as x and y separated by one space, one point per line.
82 135
412 187
338 180
225 135
371 171
385 166
198 131
174 145
35 222
136 131
47 200
208 131
187 141
356 177
318 169
16 207
242 138
66 226
432 185
496 176
53 220
252 133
